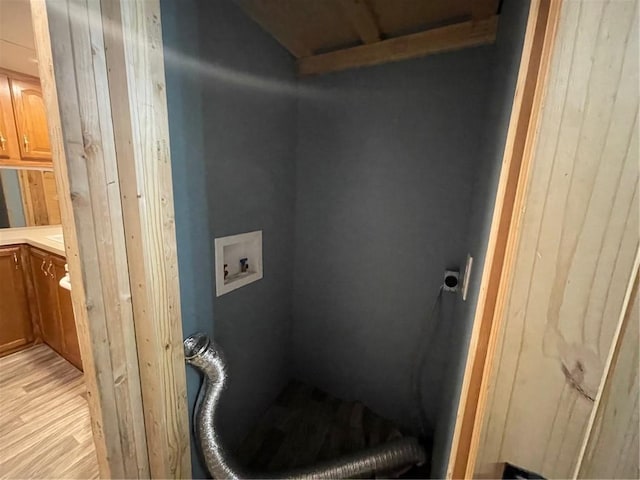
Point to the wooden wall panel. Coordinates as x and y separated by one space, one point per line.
103 82
102 71
39 197
135 71
497 272
579 238
612 449
73 76
51 198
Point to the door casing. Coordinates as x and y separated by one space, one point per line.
102 71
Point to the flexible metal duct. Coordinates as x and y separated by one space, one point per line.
205 356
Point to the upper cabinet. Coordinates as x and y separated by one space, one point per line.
24 137
31 120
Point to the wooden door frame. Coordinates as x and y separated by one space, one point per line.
102 73
504 235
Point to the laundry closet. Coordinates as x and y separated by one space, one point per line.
367 173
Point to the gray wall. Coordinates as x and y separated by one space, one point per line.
385 170
368 182
249 141
504 72
193 231
232 122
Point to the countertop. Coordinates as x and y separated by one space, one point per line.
34 236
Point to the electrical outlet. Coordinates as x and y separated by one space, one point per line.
451 280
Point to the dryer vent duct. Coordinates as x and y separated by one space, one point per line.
206 357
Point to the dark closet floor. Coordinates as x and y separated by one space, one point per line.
306 425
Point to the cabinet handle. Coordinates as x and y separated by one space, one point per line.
26 143
44 261
15 259
3 141
49 269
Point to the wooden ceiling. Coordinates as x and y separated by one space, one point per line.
331 35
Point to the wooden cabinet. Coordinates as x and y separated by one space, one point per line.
55 311
45 301
8 139
31 120
16 329
24 135
70 345
33 305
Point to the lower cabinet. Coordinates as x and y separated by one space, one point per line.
53 304
45 301
16 325
33 305
70 345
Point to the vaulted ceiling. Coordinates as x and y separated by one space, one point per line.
331 35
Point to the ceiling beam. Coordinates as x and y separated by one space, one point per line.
276 23
482 9
362 19
443 39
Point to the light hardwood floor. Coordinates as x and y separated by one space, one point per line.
45 430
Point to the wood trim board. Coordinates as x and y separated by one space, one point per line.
610 448
328 36
577 242
39 197
362 19
135 74
105 98
539 39
18 75
443 39
112 381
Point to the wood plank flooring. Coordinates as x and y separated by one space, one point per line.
306 425
45 430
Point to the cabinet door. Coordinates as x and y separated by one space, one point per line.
8 139
70 345
15 319
42 273
31 121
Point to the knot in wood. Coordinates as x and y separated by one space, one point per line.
575 378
